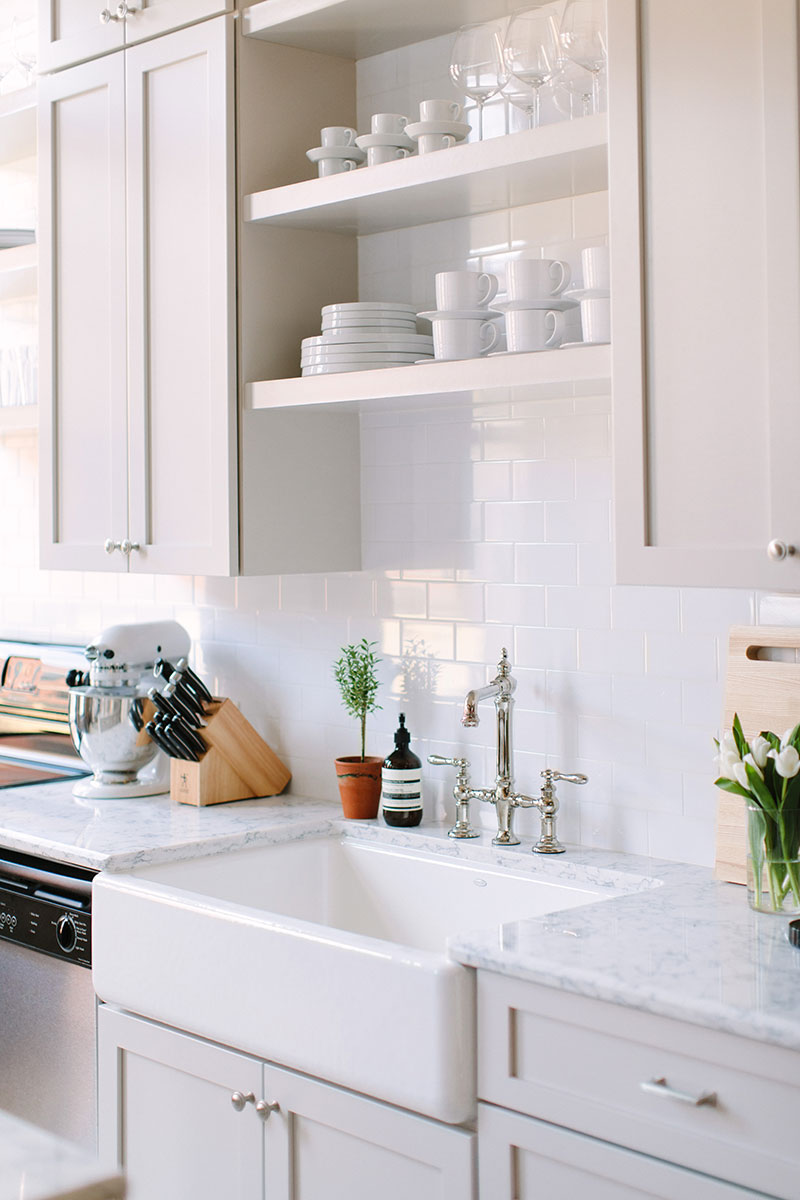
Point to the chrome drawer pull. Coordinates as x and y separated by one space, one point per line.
660 1087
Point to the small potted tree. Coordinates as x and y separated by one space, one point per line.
359 777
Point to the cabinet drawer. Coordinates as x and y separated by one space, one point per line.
582 1063
525 1159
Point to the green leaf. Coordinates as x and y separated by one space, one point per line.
738 737
760 791
772 738
730 785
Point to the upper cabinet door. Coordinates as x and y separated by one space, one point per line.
148 18
705 241
182 301
82 345
71 31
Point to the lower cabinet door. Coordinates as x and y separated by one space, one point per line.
323 1143
525 1159
168 1113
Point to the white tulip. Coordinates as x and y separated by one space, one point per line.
728 744
748 758
726 763
740 775
787 762
760 748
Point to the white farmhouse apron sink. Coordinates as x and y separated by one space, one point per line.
327 955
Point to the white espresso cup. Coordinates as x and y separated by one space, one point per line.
535 329
388 123
338 135
383 154
440 110
536 278
462 337
334 166
461 291
596 319
595 266
427 143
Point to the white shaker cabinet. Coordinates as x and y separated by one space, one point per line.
705 240
180 1115
138 437
73 31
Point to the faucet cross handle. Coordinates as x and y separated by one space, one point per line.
462 794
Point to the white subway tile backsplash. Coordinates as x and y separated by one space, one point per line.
545 564
682 656
579 607
577 521
545 479
656 610
514 604
455 601
611 651
706 610
521 521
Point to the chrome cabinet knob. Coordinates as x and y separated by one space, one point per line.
240 1099
106 15
109 545
777 550
126 546
125 10
265 1109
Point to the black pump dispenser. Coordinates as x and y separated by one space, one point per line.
401 790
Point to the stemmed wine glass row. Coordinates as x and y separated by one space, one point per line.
519 55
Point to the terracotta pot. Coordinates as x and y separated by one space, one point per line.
359 786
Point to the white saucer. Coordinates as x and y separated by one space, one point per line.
456 129
554 304
416 341
385 139
383 326
506 353
572 345
487 314
349 152
342 368
371 307
588 294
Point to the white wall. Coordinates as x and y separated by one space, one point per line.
500 517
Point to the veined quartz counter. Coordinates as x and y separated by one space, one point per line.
45 819
35 1165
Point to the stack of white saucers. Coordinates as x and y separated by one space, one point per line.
364 335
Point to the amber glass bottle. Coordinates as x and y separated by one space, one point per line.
401 788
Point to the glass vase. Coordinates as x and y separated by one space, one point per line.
773 865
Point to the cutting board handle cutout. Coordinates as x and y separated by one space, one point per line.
762 653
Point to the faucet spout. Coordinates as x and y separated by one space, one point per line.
500 689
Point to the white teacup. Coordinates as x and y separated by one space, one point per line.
334 166
388 122
440 110
596 319
460 291
383 154
427 143
536 278
535 329
595 266
338 135
462 337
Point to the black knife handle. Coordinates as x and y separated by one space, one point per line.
189 697
163 705
162 668
195 681
182 709
155 733
188 736
176 734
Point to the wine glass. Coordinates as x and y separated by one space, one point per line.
476 63
582 35
530 53
23 45
569 83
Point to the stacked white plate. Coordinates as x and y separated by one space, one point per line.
363 336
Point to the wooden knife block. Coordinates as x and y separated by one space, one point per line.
238 765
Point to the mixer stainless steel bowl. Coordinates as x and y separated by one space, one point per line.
107 729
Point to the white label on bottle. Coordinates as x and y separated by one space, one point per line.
401 789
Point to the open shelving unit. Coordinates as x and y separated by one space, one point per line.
18 124
18 272
19 419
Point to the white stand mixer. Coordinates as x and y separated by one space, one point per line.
107 714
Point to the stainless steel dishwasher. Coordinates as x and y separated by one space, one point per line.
47 1002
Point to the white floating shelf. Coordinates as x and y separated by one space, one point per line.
18 124
545 375
18 272
565 159
19 418
359 28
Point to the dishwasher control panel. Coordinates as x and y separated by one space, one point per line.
46 907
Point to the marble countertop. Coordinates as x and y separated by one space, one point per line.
35 1165
669 939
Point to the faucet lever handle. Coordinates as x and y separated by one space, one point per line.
549 775
461 794
439 760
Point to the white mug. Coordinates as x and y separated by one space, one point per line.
460 291
334 166
338 135
383 154
440 110
428 142
535 329
596 319
536 278
595 266
388 122
462 337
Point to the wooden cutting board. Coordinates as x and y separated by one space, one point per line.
766 695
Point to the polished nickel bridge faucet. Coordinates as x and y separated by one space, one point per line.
502 795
